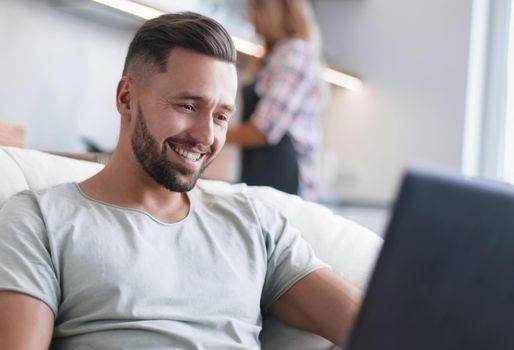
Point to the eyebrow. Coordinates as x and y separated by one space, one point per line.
186 95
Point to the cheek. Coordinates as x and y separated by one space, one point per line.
170 126
220 137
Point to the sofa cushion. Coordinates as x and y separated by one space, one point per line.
12 179
23 169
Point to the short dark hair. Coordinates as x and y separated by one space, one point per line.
155 39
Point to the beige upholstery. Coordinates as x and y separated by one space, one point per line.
348 247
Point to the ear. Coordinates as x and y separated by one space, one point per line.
124 97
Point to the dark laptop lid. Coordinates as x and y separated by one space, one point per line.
445 276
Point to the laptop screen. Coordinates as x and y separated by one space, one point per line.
445 276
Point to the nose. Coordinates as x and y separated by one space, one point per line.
202 131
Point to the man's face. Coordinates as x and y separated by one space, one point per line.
181 119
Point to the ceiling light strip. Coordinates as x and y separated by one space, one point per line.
132 7
342 79
245 46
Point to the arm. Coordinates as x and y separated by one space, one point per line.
26 323
246 135
322 303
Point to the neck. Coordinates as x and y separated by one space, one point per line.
123 182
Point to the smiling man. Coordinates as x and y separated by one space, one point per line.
138 256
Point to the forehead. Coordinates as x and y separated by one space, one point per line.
200 74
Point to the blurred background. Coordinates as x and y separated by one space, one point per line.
433 86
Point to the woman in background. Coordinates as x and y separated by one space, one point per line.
280 129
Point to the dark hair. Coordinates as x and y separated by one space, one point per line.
154 40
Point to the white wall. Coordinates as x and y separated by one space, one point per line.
59 73
412 56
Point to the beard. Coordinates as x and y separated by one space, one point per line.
174 177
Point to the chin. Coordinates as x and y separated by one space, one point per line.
183 186
176 180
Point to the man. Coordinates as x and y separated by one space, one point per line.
137 257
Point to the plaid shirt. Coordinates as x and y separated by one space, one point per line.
289 88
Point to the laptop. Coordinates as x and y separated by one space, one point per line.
445 276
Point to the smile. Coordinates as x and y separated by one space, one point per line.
192 156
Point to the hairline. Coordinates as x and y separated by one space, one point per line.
149 68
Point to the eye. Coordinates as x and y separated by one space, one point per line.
187 107
222 117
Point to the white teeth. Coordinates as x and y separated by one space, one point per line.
189 155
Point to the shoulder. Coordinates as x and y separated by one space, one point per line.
295 44
30 203
65 193
234 200
30 198
293 47
210 192
21 219
294 57
20 204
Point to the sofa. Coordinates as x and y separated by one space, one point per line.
349 248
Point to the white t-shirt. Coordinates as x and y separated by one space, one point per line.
117 278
